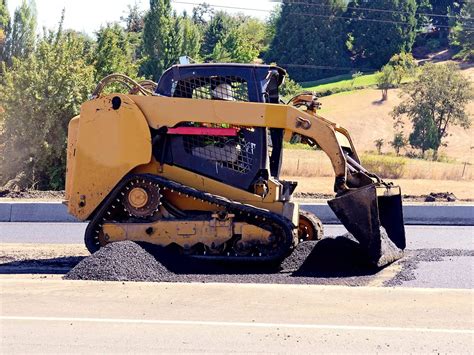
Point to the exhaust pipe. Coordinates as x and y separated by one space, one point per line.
373 215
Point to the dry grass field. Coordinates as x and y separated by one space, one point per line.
312 163
368 119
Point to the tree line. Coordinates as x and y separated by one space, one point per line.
312 39
44 78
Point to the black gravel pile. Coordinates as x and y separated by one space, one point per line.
296 259
120 261
339 256
333 260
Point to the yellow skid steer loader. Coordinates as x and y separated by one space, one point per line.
194 162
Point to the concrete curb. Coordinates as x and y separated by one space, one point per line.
444 215
414 214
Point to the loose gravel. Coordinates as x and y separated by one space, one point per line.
333 260
123 261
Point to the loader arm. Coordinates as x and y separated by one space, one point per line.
328 136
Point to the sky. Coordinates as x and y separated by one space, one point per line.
88 15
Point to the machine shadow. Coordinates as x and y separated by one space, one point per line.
336 257
41 266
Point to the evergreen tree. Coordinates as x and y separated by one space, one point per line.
378 35
216 32
4 26
134 22
113 53
21 40
310 34
161 43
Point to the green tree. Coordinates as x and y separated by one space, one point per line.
217 31
202 14
241 48
379 144
134 20
271 26
378 35
220 54
462 35
4 26
310 39
403 65
433 103
423 136
191 35
386 80
21 39
399 141
236 39
423 7
161 43
40 95
113 53
253 33
289 89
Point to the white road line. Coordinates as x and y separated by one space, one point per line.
239 324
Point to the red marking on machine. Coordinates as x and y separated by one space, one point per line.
204 131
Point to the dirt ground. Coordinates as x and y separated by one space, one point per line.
463 190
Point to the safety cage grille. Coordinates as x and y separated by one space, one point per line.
228 88
233 153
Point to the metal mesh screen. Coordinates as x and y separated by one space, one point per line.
230 152
229 88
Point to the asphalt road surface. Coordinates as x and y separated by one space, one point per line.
48 316
437 256
418 237
429 309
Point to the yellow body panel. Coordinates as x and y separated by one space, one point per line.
71 152
109 144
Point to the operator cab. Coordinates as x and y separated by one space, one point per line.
241 158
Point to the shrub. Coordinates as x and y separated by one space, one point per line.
387 167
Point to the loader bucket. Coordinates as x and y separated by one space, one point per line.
373 215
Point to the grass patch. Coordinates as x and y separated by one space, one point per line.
342 83
299 146
345 83
385 166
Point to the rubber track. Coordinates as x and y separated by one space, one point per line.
247 213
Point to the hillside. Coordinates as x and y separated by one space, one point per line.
367 119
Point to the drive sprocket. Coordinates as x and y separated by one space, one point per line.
141 198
